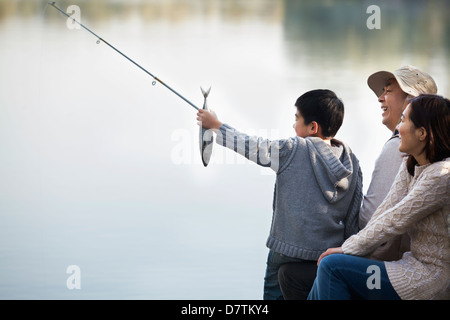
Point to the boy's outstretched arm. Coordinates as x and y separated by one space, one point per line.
263 152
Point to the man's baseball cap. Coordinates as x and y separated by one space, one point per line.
412 81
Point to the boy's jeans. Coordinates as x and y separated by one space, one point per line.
272 290
344 277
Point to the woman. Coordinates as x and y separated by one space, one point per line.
419 203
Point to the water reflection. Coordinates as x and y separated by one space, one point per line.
152 11
88 174
326 31
336 30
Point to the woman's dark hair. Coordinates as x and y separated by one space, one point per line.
324 107
431 112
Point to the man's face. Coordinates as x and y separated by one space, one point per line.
392 103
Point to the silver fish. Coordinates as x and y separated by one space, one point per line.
206 136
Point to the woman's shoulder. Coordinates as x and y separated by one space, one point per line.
442 166
439 170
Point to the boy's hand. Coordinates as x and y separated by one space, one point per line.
208 119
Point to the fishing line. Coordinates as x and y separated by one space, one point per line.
100 39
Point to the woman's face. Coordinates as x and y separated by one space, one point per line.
413 139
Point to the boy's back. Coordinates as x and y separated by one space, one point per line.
317 194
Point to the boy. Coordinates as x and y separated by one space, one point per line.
318 187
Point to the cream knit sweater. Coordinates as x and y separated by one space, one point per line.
419 205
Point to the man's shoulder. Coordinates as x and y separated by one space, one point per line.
390 158
392 144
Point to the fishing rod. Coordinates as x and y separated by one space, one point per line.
206 138
52 3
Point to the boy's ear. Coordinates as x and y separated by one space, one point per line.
314 127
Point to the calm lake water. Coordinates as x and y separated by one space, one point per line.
100 169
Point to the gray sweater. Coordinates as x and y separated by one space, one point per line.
318 190
384 172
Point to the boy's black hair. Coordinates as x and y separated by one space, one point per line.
324 107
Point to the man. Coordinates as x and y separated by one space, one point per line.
393 91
